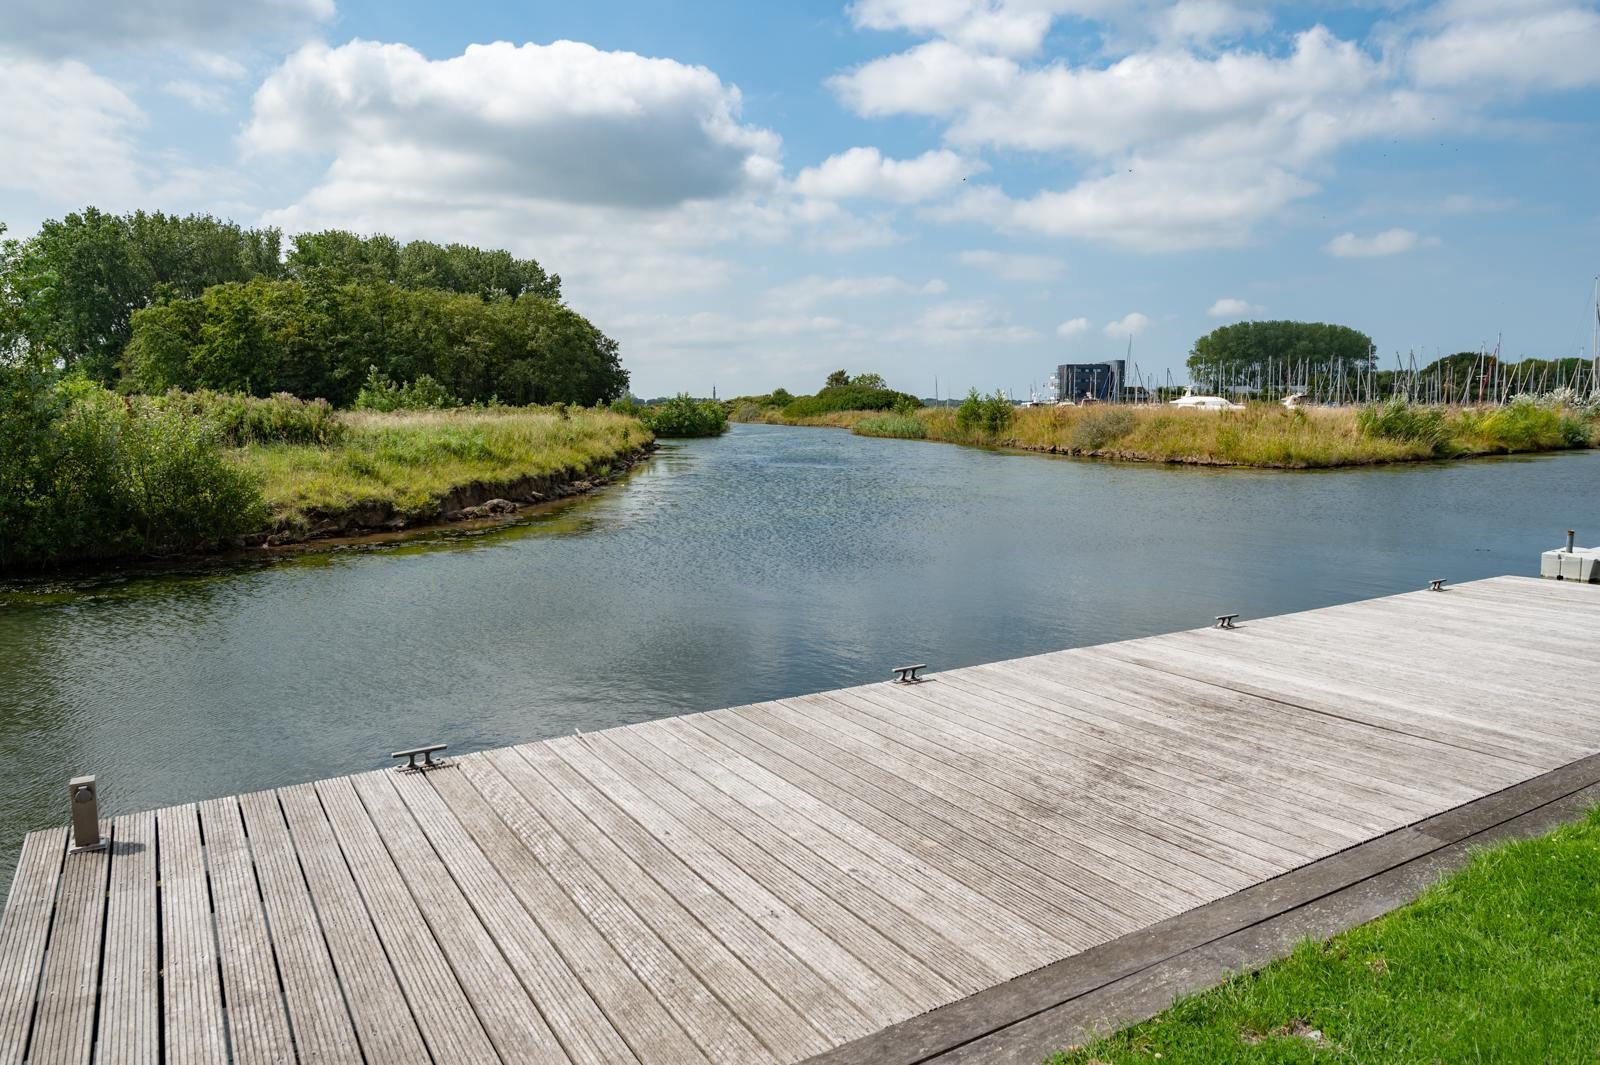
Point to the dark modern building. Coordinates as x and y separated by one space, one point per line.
1093 380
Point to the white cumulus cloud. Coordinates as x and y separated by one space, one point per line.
1131 324
1231 307
1496 48
1394 241
865 173
1072 327
562 122
75 137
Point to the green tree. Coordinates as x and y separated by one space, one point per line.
869 380
1246 347
837 379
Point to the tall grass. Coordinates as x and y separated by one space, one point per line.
1261 435
239 420
411 461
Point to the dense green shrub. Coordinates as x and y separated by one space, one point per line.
852 396
686 416
241 420
1098 428
990 415
381 394
89 473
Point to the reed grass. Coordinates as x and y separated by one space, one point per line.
411 460
1261 435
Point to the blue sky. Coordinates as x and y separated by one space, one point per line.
751 195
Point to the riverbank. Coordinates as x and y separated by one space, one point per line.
92 476
1495 963
1261 436
402 470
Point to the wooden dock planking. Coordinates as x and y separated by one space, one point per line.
63 1029
652 1036
1127 768
982 879
875 998
772 882
825 1006
576 1022
714 1029
716 964
312 996
191 988
1131 846
129 1025
258 1025
512 1021
868 924
1099 892
24 931
1189 798
438 1003
911 909
385 1029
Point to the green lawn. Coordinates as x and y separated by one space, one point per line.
1498 963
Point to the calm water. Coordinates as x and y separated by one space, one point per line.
767 563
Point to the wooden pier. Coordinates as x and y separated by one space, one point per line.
889 872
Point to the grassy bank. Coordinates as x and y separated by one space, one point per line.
401 467
1495 964
90 474
1262 435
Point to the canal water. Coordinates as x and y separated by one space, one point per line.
763 564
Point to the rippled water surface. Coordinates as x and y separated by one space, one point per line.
767 563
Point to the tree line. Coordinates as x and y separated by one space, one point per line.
148 302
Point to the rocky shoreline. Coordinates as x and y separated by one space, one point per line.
468 502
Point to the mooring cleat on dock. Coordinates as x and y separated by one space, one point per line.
908 674
428 763
1225 621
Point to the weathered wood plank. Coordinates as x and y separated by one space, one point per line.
490 818
384 1023
1150 861
717 1032
998 880
823 935
782 1031
24 931
1190 796
312 996
582 1029
921 922
825 1007
64 1025
191 988
444 1014
130 1007
258 1025
854 916
919 851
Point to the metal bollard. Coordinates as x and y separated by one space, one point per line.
1572 539
85 816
